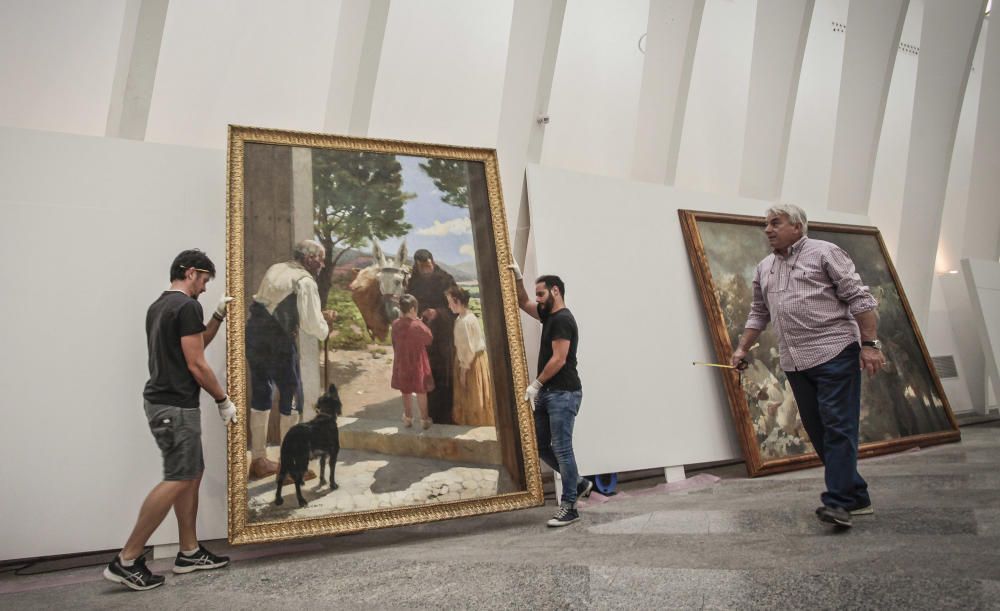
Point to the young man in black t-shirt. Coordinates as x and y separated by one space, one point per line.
556 392
176 339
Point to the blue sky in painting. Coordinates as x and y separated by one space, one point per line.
442 229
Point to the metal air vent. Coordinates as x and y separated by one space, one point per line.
945 366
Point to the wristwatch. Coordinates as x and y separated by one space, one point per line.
874 343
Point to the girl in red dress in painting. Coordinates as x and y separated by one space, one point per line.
411 369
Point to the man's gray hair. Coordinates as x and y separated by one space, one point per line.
307 248
795 214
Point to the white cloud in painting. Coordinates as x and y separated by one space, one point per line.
457 226
467 250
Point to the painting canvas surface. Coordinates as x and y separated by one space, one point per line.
378 370
902 404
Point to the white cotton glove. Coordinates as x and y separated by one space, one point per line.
532 391
516 269
220 310
227 410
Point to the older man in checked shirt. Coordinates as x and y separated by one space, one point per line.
825 320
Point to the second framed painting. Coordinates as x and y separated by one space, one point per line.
374 344
901 407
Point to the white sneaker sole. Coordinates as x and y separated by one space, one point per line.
864 511
125 582
555 524
180 570
828 519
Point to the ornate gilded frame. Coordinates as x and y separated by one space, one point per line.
241 531
723 343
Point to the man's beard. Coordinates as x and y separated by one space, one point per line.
547 305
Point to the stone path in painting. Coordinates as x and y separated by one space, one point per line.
381 463
370 480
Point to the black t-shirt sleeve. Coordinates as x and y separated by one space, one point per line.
189 319
561 328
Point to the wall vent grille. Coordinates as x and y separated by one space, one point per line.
945 366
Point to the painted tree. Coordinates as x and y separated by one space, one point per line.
356 196
451 178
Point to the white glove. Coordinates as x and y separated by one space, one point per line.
220 310
532 391
516 269
227 410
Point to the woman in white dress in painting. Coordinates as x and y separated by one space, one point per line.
473 390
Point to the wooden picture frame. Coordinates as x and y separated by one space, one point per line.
902 407
286 186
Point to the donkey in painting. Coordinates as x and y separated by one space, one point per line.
377 288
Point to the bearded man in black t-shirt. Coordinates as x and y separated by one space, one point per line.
176 338
556 393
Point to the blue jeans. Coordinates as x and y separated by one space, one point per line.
829 399
555 413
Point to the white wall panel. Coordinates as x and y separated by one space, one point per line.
982 226
535 33
810 145
100 220
949 327
956 203
356 56
778 46
984 294
644 404
671 39
948 42
595 89
871 44
889 177
715 120
57 63
247 62
441 74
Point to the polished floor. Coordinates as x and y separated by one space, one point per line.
716 541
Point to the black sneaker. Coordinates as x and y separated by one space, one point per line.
834 515
584 488
201 561
136 577
564 517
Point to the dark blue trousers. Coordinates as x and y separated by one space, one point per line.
829 400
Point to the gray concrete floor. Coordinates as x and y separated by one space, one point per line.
736 543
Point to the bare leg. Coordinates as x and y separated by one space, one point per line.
407 408
422 402
186 510
158 502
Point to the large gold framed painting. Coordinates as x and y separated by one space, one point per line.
374 344
903 406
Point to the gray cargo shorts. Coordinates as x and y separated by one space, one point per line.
178 434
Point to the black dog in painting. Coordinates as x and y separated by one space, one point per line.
307 440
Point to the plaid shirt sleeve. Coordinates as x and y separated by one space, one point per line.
759 314
850 289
